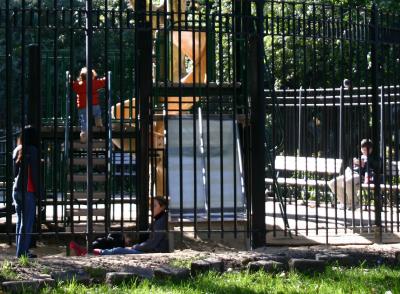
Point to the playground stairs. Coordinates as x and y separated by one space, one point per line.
76 207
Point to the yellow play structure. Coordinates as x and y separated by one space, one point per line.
186 45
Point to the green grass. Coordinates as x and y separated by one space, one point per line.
96 273
7 272
23 261
334 280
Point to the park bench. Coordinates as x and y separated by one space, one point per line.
304 171
289 168
391 170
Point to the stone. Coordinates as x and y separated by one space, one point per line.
173 273
340 259
278 258
397 256
136 274
67 276
141 272
201 266
34 285
269 266
116 278
306 265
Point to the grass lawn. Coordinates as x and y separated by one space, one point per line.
334 280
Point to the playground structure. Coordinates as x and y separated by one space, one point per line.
183 43
197 191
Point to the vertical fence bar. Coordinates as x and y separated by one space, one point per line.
221 142
375 119
143 84
258 137
300 120
89 131
71 127
9 136
324 119
22 108
34 113
108 124
122 109
55 152
109 151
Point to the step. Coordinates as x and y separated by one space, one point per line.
96 144
81 227
83 161
82 195
83 211
96 178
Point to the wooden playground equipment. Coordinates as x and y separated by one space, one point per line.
182 43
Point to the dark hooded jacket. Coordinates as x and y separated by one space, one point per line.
157 241
32 160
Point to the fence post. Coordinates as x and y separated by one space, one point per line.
9 117
375 120
89 133
258 135
144 85
34 115
34 103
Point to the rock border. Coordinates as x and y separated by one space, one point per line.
309 263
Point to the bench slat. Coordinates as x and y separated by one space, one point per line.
309 164
300 182
385 187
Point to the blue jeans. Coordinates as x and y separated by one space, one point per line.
120 250
25 217
82 116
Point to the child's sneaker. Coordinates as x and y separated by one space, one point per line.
96 251
79 250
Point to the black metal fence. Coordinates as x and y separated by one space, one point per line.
334 74
204 104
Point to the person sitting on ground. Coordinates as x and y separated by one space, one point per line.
79 87
157 241
347 186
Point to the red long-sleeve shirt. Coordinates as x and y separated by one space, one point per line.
79 88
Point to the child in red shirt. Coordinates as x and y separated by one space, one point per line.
79 87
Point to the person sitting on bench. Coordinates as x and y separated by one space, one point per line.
347 186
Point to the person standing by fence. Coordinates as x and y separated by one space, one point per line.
26 187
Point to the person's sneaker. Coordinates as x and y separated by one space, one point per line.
79 250
96 251
31 255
